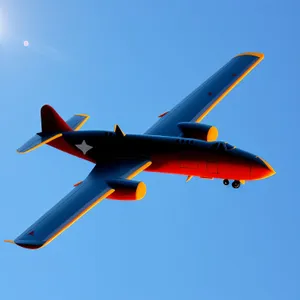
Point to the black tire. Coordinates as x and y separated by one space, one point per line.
225 181
236 184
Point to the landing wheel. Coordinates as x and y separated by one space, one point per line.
236 184
225 181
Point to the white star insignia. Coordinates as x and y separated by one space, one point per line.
84 147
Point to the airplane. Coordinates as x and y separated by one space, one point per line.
178 143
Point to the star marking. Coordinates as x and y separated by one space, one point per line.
84 147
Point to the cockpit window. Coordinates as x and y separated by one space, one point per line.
229 147
221 146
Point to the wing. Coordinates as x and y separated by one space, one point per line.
78 202
202 100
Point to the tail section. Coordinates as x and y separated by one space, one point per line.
36 141
51 121
52 128
77 121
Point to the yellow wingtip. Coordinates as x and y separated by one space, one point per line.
83 122
246 72
9 241
141 169
257 54
82 115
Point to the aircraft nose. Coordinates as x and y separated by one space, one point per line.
261 169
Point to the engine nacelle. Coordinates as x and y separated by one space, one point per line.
199 131
127 189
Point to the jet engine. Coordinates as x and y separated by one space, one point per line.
127 189
199 131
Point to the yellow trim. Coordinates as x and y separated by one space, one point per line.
257 54
142 168
82 115
117 127
43 143
242 181
269 166
141 191
260 56
82 122
189 178
139 170
78 217
272 171
212 134
9 241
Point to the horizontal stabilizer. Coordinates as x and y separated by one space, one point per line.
77 121
38 140
52 128
53 122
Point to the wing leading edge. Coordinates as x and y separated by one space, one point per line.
78 202
203 99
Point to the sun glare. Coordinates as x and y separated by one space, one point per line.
1 23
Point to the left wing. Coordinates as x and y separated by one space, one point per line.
78 202
202 100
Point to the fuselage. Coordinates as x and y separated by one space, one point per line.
173 155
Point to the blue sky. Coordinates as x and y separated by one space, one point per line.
126 62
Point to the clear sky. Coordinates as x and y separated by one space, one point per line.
126 62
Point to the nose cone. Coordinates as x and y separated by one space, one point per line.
261 169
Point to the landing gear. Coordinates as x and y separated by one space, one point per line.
225 181
236 184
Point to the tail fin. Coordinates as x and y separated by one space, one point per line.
51 121
52 126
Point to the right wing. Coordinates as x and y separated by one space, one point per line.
202 100
78 202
